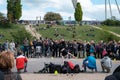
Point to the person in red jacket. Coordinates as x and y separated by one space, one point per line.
21 62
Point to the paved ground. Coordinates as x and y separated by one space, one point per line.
35 64
33 31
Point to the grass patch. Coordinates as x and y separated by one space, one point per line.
82 33
57 32
112 28
8 29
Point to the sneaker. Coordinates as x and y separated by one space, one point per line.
67 74
25 70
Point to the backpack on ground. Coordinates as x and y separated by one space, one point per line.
76 68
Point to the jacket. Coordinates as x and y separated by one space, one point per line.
8 75
91 62
107 62
20 62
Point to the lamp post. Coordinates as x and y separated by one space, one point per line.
105 9
36 19
110 7
74 3
40 19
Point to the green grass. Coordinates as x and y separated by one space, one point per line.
81 33
112 28
6 30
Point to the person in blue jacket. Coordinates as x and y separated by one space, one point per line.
90 62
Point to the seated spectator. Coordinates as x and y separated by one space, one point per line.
6 64
21 62
90 62
106 63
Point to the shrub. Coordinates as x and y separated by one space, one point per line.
109 22
20 35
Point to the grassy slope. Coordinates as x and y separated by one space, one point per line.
81 33
6 31
112 28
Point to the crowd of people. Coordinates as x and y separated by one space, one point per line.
52 48
57 48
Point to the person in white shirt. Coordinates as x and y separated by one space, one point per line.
12 46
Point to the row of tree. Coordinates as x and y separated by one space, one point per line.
110 22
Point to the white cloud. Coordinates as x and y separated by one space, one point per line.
39 8
92 11
33 8
1 2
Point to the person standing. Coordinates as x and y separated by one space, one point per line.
21 62
118 50
6 45
26 47
12 46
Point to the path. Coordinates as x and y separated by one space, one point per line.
33 31
36 64
106 30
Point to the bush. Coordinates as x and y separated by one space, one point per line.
20 35
109 22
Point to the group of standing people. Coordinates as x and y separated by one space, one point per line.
57 48
52 48
80 49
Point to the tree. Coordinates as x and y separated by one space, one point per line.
78 12
1 16
51 16
14 10
110 22
113 18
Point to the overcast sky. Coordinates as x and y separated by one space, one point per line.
92 9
